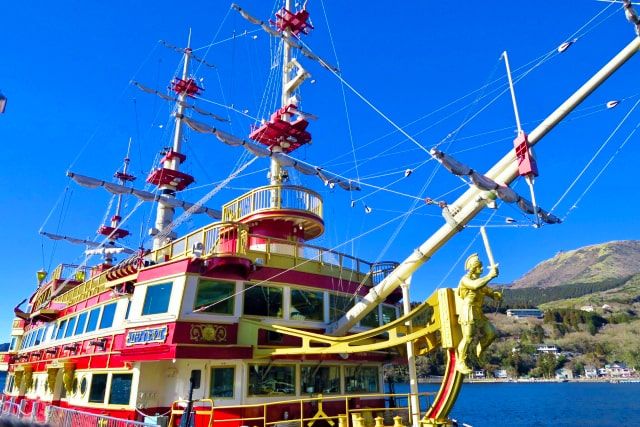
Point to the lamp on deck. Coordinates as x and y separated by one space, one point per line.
41 275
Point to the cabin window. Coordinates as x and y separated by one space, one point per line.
108 311
12 346
38 334
92 322
388 314
339 305
120 393
214 297
9 385
83 386
70 327
49 331
361 379
61 329
307 305
26 340
222 382
263 301
82 321
98 388
270 380
157 299
320 379
126 314
372 319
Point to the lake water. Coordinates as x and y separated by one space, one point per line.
544 404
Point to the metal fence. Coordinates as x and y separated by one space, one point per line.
64 417
22 411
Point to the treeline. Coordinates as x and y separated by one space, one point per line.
532 297
566 320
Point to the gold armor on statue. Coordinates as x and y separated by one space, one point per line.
471 293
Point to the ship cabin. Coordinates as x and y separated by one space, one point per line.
126 339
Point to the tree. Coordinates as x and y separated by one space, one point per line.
547 364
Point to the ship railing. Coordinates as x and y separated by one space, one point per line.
321 408
65 417
273 197
301 253
233 239
219 238
91 287
70 272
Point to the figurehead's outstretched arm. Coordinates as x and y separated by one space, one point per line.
480 282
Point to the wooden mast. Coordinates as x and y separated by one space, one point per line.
472 201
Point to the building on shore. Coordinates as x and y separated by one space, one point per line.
521 313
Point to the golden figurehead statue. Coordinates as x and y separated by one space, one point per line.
471 293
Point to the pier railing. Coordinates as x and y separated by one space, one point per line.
64 417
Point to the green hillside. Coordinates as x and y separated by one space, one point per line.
605 262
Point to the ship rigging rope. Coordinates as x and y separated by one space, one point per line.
204 57
606 165
87 257
232 38
604 144
196 206
537 61
106 115
465 251
344 94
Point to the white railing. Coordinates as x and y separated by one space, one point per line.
273 197
64 417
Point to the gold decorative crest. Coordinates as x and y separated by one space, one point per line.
208 333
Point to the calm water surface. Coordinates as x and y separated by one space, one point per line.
545 404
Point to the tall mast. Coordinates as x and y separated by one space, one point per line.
275 174
164 213
123 177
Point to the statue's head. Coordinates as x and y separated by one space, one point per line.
473 264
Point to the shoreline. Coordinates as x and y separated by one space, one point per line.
436 380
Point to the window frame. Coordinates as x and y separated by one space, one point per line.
147 306
233 383
110 383
113 316
273 393
293 307
97 310
104 390
85 315
230 297
250 287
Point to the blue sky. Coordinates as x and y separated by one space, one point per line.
66 68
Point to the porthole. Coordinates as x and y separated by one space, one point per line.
83 386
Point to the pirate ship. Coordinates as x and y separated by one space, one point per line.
245 321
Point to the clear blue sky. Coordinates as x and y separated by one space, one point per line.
66 68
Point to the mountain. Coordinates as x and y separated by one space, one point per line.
606 262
